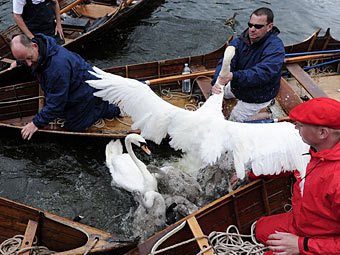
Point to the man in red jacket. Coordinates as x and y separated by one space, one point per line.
313 225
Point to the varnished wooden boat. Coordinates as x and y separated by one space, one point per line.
240 208
19 102
58 234
261 197
82 21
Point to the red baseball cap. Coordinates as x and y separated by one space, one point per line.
321 111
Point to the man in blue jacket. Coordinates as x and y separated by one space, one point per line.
62 75
256 67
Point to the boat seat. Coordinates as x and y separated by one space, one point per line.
75 23
305 80
197 232
31 229
95 10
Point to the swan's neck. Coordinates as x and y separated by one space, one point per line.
132 154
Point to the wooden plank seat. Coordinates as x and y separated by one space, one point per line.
95 10
305 80
31 229
197 232
75 23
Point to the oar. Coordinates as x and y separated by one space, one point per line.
7 60
128 2
211 72
310 57
69 7
268 120
311 53
179 77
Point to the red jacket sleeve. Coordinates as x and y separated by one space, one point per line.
252 176
320 245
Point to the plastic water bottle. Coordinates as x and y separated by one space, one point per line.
186 85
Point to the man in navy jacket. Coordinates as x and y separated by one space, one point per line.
62 75
256 67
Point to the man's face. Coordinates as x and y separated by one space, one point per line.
309 133
255 34
27 55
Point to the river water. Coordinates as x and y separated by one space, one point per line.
67 176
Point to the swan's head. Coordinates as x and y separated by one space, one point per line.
139 141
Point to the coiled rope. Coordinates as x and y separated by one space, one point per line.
12 246
223 243
231 242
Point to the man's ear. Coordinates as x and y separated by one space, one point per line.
269 26
34 45
324 132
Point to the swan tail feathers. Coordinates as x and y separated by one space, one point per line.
113 148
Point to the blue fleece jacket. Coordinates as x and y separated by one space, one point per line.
62 75
256 68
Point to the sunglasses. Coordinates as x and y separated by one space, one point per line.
257 26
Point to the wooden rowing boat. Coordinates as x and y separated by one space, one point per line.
82 21
20 101
239 208
58 234
242 207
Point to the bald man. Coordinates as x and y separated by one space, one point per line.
62 75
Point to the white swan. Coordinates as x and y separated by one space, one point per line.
127 171
204 135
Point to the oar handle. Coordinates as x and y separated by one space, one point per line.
7 60
287 119
311 53
310 57
69 7
179 77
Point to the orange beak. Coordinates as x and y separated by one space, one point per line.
146 149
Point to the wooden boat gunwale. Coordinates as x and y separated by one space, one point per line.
169 67
98 241
223 203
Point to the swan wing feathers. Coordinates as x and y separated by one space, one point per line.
195 132
267 148
150 113
125 174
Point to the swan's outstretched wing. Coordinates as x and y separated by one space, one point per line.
150 113
266 148
155 117
204 134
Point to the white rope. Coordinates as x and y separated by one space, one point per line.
174 94
100 123
123 122
190 107
231 242
12 246
179 244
